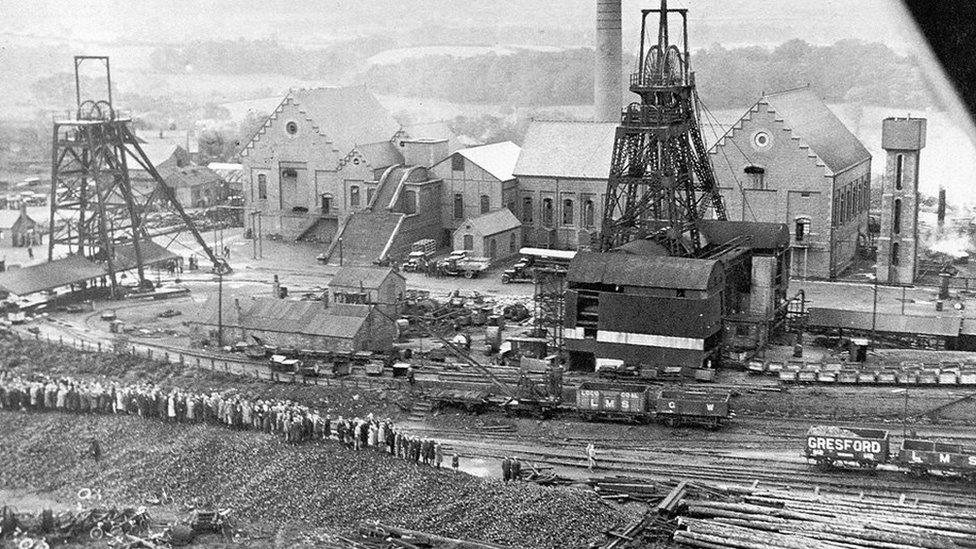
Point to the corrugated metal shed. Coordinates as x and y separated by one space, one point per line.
577 150
645 271
369 278
809 119
897 324
47 276
152 253
491 223
756 235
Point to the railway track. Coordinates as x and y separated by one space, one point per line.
739 471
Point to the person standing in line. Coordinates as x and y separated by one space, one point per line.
438 455
506 469
591 456
455 462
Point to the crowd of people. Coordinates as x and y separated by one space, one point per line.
293 421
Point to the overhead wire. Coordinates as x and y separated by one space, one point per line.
715 122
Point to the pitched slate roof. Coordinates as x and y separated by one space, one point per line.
191 176
229 172
9 217
287 316
494 222
885 322
567 149
809 119
349 116
498 159
644 270
366 277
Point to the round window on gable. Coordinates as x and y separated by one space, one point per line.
291 127
761 139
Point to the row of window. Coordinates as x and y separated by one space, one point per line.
852 200
485 205
587 212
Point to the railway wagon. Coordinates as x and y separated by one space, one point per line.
922 456
676 407
830 446
614 401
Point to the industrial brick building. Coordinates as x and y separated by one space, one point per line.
477 180
315 158
562 180
495 235
903 140
790 160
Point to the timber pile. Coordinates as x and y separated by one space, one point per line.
782 520
622 489
542 475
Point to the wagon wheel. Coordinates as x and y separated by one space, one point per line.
468 274
96 533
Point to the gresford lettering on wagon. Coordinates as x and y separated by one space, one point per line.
844 444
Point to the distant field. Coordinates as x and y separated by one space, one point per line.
394 56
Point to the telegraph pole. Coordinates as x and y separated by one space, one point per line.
220 308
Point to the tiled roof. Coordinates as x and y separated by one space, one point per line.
349 116
498 159
191 176
567 149
47 276
494 222
283 315
809 119
365 277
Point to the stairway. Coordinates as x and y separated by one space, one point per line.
322 230
420 410
386 189
364 237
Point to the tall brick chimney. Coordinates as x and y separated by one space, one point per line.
607 86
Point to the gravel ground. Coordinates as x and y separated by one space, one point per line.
319 489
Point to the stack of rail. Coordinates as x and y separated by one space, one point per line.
758 519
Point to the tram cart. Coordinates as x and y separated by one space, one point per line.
473 402
829 446
684 407
922 456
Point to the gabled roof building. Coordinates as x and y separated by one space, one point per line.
790 160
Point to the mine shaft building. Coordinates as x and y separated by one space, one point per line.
639 306
790 160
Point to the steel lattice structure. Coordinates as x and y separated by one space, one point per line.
93 205
661 182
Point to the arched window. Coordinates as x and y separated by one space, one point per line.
896 217
588 213
568 211
485 203
547 212
458 206
894 253
262 186
469 242
527 209
899 170
409 202
512 244
801 228
354 196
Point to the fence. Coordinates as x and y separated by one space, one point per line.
214 364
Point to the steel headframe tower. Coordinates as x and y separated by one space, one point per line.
661 182
93 205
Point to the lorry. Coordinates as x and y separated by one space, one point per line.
459 263
421 252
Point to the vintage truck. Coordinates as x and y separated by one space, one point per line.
459 263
